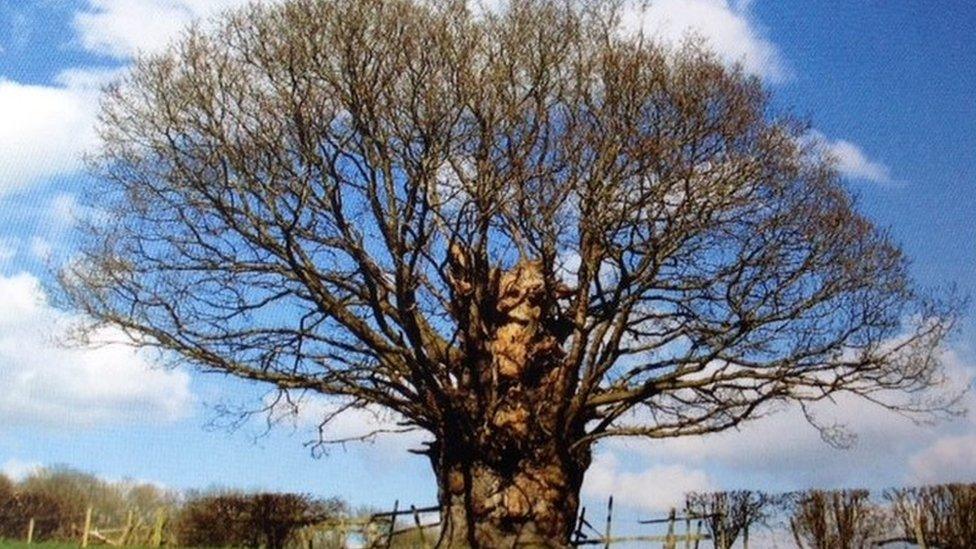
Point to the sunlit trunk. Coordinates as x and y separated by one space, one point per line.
508 473
525 501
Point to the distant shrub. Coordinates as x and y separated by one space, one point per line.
249 520
51 519
944 515
213 521
6 488
75 491
728 515
843 519
111 501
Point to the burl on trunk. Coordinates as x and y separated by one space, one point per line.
507 473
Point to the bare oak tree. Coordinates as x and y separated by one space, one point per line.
842 519
521 231
935 516
729 515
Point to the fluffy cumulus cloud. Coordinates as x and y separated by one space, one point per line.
45 129
47 384
8 250
854 163
784 452
17 470
373 428
49 127
123 28
851 160
949 459
725 25
656 488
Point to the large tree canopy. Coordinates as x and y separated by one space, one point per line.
522 231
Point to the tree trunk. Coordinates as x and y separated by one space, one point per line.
508 475
530 501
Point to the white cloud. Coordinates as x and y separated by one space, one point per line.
949 459
726 26
46 384
64 210
851 160
18 470
41 248
45 130
8 250
783 452
854 163
122 28
308 411
656 488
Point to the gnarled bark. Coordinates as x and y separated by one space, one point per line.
511 479
489 501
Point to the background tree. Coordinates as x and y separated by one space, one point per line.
250 520
942 515
51 518
729 515
75 491
522 232
278 516
841 519
59 497
6 488
215 520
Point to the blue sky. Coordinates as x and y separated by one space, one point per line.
887 85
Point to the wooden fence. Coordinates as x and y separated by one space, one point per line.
133 532
383 530
585 534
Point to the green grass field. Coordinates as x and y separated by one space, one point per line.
4 544
8 544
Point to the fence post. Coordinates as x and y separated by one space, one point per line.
84 533
606 534
157 533
669 541
579 525
919 534
687 527
30 531
128 529
393 516
420 528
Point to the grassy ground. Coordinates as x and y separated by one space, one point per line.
5 544
14 544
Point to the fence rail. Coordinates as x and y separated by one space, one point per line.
379 530
586 534
108 535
